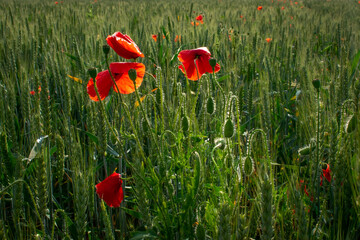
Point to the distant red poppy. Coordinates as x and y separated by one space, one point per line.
259 8
326 173
305 191
241 16
110 190
33 92
124 46
296 3
200 19
177 38
199 55
268 39
154 36
56 2
282 8
123 82
197 23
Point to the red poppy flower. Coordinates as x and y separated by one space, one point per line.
110 190
177 38
197 24
32 92
305 191
282 8
200 19
296 3
124 46
123 82
154 36
268 39
259 8
326 173
56 2
199 55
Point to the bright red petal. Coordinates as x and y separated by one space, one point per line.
110 190
187 58
326 173
124 46
201 56
122 79
103 83
154 36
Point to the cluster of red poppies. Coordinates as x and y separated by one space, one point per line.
194 63
199 19
120 81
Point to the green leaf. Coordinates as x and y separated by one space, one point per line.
132 213
223 78
354 65
144 235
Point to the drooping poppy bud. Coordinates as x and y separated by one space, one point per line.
228 128
106 49
132 74
92 72
185 124
316 83
210 105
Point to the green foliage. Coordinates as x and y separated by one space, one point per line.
192 161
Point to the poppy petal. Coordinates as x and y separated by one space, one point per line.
103 84
122 79
124 46
190 70
110 190
326 173
201 56
204 65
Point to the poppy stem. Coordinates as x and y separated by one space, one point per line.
221 90
127 113
146 119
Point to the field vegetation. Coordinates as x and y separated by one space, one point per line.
268 147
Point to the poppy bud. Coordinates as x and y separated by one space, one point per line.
92 72
248 165
212 62
185 124
132 74
351 123
210 105
106 49
228 128
316 83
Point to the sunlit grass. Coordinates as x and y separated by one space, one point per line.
238 154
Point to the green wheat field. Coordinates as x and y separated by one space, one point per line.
268 147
